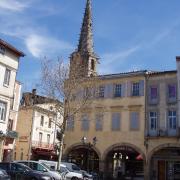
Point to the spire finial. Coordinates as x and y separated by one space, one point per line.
86 37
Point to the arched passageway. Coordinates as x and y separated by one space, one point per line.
124 162
85 157
165 164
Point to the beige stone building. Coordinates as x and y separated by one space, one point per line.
37 128
108 136
12 134
9 93
131 128
162 125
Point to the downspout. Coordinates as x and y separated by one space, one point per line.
146 127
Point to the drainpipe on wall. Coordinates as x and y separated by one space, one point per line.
178 90
146 167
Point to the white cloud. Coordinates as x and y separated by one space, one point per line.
39 45
13 5
113 60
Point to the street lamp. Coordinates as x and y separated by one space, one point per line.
89 146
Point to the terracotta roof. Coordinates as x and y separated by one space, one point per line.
10 47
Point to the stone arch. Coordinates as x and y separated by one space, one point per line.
80 145
166 145
110 148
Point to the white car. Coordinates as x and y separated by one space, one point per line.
69 175
71 171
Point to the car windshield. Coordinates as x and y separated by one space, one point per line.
46 166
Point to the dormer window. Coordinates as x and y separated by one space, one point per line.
92 64
2 50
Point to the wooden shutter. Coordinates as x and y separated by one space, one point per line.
129 89
123 89
108 91
116 121
141 88
99 122
85 123
134 121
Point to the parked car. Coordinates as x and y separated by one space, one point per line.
73 168
22 172
4 175
37 166
70 175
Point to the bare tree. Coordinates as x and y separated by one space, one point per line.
74 91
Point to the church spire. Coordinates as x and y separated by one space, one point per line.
85 45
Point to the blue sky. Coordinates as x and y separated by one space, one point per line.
128 34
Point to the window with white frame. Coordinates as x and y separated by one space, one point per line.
40 138
117 90
153 120
2 111
101 91
135 89
7 77
172 119
48 138
42 121
50 123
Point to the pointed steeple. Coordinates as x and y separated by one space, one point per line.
85 45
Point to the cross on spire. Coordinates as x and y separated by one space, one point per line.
85 45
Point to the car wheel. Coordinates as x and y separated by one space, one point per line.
74 178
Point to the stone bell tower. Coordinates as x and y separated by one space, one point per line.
83 61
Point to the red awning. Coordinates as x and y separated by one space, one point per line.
139 157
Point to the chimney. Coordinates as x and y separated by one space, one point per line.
34 92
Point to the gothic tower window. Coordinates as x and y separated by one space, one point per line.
92 64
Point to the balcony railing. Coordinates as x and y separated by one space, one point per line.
42 145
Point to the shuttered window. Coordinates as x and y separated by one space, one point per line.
115 121
134 120
85 123
99 122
